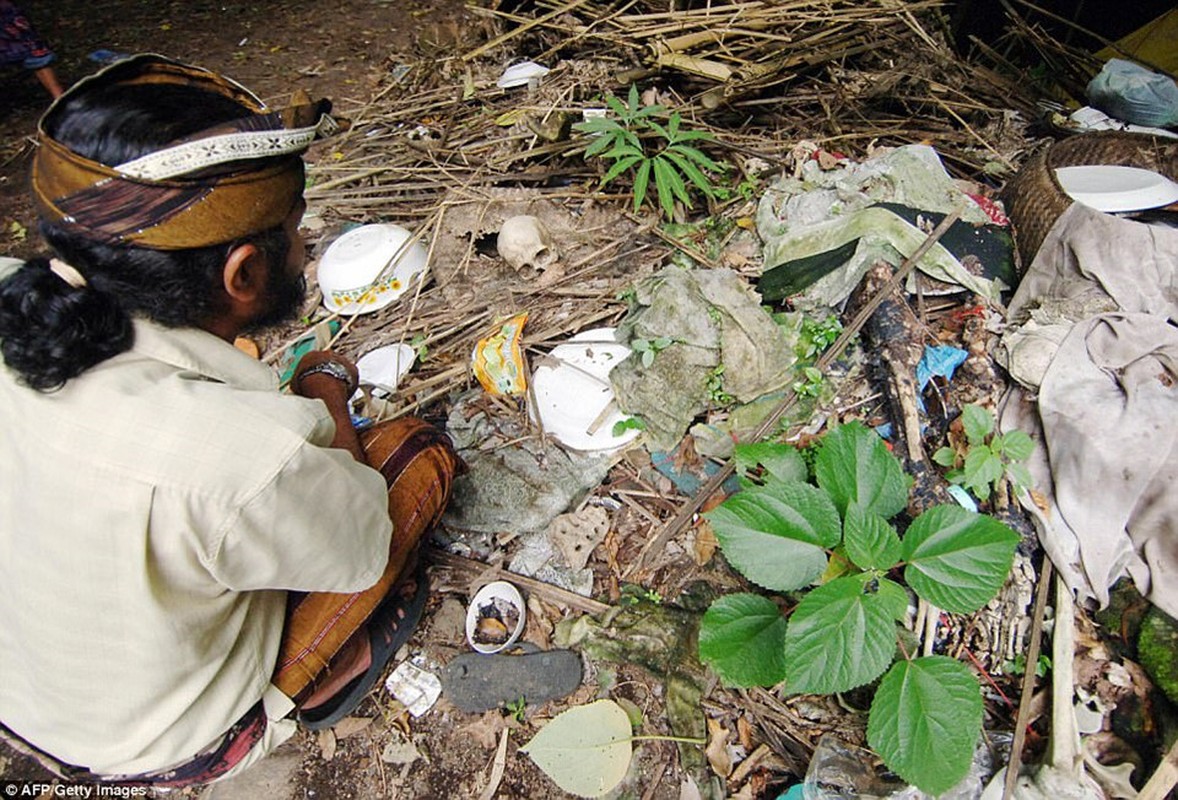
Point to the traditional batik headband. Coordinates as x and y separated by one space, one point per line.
198 191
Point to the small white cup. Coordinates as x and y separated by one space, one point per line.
488 594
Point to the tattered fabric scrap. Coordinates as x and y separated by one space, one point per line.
823 211
718 332
1107 400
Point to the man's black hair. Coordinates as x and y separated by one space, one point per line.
51 331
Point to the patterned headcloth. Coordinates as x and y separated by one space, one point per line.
223 183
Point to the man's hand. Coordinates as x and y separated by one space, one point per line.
331 378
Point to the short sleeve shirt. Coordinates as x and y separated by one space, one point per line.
154 513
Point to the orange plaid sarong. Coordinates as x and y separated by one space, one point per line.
419 465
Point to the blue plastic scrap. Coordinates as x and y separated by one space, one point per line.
940 361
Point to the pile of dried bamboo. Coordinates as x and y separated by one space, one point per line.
761 75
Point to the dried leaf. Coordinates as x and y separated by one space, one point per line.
744 733
704 545
326 740
400 751
350 725
717 751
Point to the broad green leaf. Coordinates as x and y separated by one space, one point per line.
945 456
977 423
870 542
641 181
842 635
782 461
690 136
598 125
1021 476
1016 445
957 560
925 720
618 168
981 469
777 536
742 637
585 750
854 465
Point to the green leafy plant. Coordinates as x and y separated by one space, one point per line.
816 335
628 424
980 461
517 709
716 392
649 348
786 534
809 383
635 141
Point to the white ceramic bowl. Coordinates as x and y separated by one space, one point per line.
351 268
499 593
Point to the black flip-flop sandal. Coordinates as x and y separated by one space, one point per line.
476 682
389 627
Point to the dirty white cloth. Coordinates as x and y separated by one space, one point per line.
1106 290
153 513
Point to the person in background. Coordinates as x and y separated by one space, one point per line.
20 45
192 561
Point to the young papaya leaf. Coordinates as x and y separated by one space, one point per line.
692 172
957 560
641 181
697 156
742 638
618 168
777 536
854 465
842 635
924 721
585 750
870 542
663 186
977 423
782 461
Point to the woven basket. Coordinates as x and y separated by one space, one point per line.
1034 199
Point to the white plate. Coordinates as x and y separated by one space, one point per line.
352 263
384 367
1112 189
573 394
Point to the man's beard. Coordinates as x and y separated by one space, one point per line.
286 294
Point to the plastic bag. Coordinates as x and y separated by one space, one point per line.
1132 93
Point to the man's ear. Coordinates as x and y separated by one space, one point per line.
245 277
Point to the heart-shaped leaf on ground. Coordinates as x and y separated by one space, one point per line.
777 535
925 721
742 637
585 750
842 634
957 560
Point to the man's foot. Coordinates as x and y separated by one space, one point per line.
389 627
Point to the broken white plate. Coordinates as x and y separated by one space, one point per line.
384 367
574 399
1114 189
521 74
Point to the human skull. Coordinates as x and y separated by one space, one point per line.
525 242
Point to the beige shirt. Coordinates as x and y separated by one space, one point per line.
152 514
